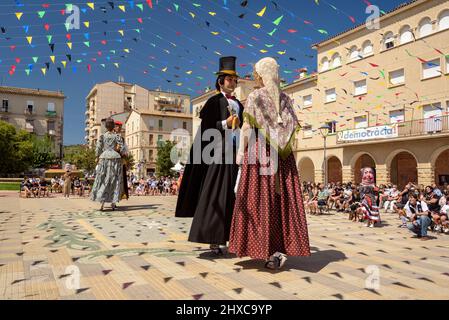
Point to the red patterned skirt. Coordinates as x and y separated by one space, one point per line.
266 221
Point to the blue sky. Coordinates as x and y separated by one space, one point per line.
175 45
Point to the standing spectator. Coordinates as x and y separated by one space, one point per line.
67 183
419 217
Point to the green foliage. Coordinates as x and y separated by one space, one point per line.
43 152
16 153
81 156
163 162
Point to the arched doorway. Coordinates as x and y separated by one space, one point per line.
306 170
365 160
334 170
403 169
442 168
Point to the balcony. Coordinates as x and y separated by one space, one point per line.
28 111
50 114
413 128
4 110
168 105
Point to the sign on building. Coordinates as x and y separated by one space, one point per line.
380 132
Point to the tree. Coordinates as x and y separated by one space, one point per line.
163 161
81 156
129 161
43 152
16 148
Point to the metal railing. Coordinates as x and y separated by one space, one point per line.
418 127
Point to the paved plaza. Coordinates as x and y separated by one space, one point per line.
67 249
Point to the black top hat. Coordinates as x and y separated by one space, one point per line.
227 66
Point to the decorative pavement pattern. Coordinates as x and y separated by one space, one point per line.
67 249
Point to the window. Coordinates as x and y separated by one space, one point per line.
336 61
406 35
161 124
443 20
160 140
151 124
367 48
432 114
354 54
5 105
175 125
51 107
184 125
447 64
361 122
389 40
307 100
332 127
360 87
151 139
308 133
331 95
151 155
50 125
396 77
397 116
431 69
324 65
425 27
30 106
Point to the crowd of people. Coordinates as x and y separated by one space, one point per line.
153 186
67 184
419 208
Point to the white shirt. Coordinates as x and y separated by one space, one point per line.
409 213
445 209
234 105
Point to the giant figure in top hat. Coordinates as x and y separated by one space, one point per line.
206 191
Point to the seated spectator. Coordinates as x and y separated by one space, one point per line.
77 187
313 201
85 187
25 187
419 216
35 187
44 188
355 204
336 194
403 199
391 200
432 199
343 202
444 215
322 197
384 193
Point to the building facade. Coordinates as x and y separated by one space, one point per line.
167 118
107 99
383 94
36 111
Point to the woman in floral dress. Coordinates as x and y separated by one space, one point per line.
269 222
108 179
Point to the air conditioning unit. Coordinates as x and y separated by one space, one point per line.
52 132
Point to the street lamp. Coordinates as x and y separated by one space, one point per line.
324 130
